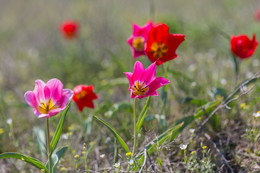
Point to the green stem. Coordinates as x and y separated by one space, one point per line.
48 144
134 127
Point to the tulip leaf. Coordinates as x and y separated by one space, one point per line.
157 142
142 116
32 161
120 140
207 108
55 158
58 131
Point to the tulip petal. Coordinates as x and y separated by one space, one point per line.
66 97
129 76
55 111
39 91
149 74
138 71
157 83
55 87
30 98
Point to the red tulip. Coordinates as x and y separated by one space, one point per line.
242 46
84 96
161 45
69 29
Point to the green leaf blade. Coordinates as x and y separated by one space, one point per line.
32 161
120 140
141 117
58 131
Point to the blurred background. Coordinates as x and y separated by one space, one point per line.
32 47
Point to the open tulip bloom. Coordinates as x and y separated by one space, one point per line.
161 45
84 96
143 83
138 39
48 99
242 46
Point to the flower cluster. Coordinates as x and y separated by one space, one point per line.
155 42
49 99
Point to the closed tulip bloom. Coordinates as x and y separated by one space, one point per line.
242 46
143 83
48 99
161 45
69 29
84 96
138 39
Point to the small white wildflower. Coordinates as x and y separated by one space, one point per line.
183 146
109 113
157 116
9 121
116 106
107 140
193 84
192 67
162 117
131 162
102 156
243 89
139 135
117 165
249 74
192 130
256 114
65 136
223 81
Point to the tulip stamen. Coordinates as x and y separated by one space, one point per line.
159 49
138 43
46 107
140 88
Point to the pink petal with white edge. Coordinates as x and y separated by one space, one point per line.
39 91
149 74
55 111
138 71
44 116
56 88
30 98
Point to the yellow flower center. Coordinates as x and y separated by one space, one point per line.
138 43
81 94
140 88
159 50
46 107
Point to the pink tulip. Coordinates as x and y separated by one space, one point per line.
138 39
143 83
49 99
